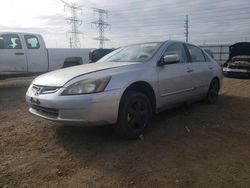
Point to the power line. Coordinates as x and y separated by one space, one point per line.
101 25
75 23
195 14
155 12
154 18
151 21
164 5
156 22
147 5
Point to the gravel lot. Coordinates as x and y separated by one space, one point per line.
206 146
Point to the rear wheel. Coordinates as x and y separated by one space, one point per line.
213 92
135 113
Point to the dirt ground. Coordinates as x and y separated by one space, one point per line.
207 146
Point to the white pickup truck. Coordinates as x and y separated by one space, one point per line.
26 53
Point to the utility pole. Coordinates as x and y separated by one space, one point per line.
101 25
186 26
70 42
74 22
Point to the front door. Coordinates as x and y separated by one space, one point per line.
175 80
12 54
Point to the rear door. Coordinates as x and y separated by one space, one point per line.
12 54
36 53
175 80
201 69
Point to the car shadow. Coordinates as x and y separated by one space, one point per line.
172 126
177 142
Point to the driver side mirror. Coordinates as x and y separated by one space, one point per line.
169 59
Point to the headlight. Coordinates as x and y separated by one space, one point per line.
87 86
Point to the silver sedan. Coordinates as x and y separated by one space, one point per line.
126 87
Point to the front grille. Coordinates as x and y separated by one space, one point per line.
38 90
239 67
45 111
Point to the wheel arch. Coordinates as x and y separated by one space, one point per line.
143 87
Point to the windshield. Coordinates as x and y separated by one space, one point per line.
133 53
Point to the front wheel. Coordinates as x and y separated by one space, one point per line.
213 92
135 113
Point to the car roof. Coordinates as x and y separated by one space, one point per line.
166 41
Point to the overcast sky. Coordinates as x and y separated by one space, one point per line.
211 22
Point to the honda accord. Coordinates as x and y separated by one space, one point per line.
126 87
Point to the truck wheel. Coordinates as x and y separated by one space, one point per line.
135 113
213 92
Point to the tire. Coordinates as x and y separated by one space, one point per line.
213 92
135 114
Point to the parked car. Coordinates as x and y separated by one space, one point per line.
97 54
238 63
25 53
126 87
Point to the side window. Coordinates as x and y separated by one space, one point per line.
196 54
10 41
32 42
206 57
177 49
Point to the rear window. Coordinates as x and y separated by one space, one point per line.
196 53
32 42
206 57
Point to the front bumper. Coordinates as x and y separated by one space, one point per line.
85 110
230 70
235 72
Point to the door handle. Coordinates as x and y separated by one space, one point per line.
190 70
211 68
19 53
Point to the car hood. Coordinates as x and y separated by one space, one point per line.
239 49
60 77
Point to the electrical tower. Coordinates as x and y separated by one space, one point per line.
73 20
186 28
101 25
